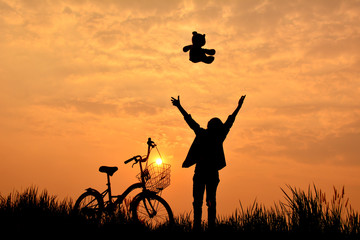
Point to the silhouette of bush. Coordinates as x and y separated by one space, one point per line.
34 211
303 213
310 212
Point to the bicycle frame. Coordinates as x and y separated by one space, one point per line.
119 198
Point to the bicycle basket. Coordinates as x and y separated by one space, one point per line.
157 177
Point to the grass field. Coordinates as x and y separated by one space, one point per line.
301 213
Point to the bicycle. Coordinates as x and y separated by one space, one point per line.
147 207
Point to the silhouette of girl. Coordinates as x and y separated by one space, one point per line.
208 154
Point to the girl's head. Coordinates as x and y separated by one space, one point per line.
215 125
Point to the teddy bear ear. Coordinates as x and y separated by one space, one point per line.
194 33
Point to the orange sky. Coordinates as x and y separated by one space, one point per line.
85 83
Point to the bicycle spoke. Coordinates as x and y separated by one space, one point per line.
152 212
89 207
90 202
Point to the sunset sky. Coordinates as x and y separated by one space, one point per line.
85 83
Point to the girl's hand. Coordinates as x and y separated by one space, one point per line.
241 100
175 102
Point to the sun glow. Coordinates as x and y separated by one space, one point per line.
158 161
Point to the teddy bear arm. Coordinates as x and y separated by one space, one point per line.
187 48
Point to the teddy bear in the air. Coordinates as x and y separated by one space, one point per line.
197 53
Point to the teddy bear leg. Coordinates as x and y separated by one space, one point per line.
210 51
208 59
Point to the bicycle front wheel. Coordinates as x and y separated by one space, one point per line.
152 210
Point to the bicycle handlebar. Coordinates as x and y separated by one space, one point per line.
151 144
136 158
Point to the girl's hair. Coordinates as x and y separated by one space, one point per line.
215 124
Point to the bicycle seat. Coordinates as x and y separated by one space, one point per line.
108 170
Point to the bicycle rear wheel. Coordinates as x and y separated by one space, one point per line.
90 205
152 210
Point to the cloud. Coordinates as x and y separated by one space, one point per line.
339 149
137 108
83 106
131 107
303 140
5 8
109 58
